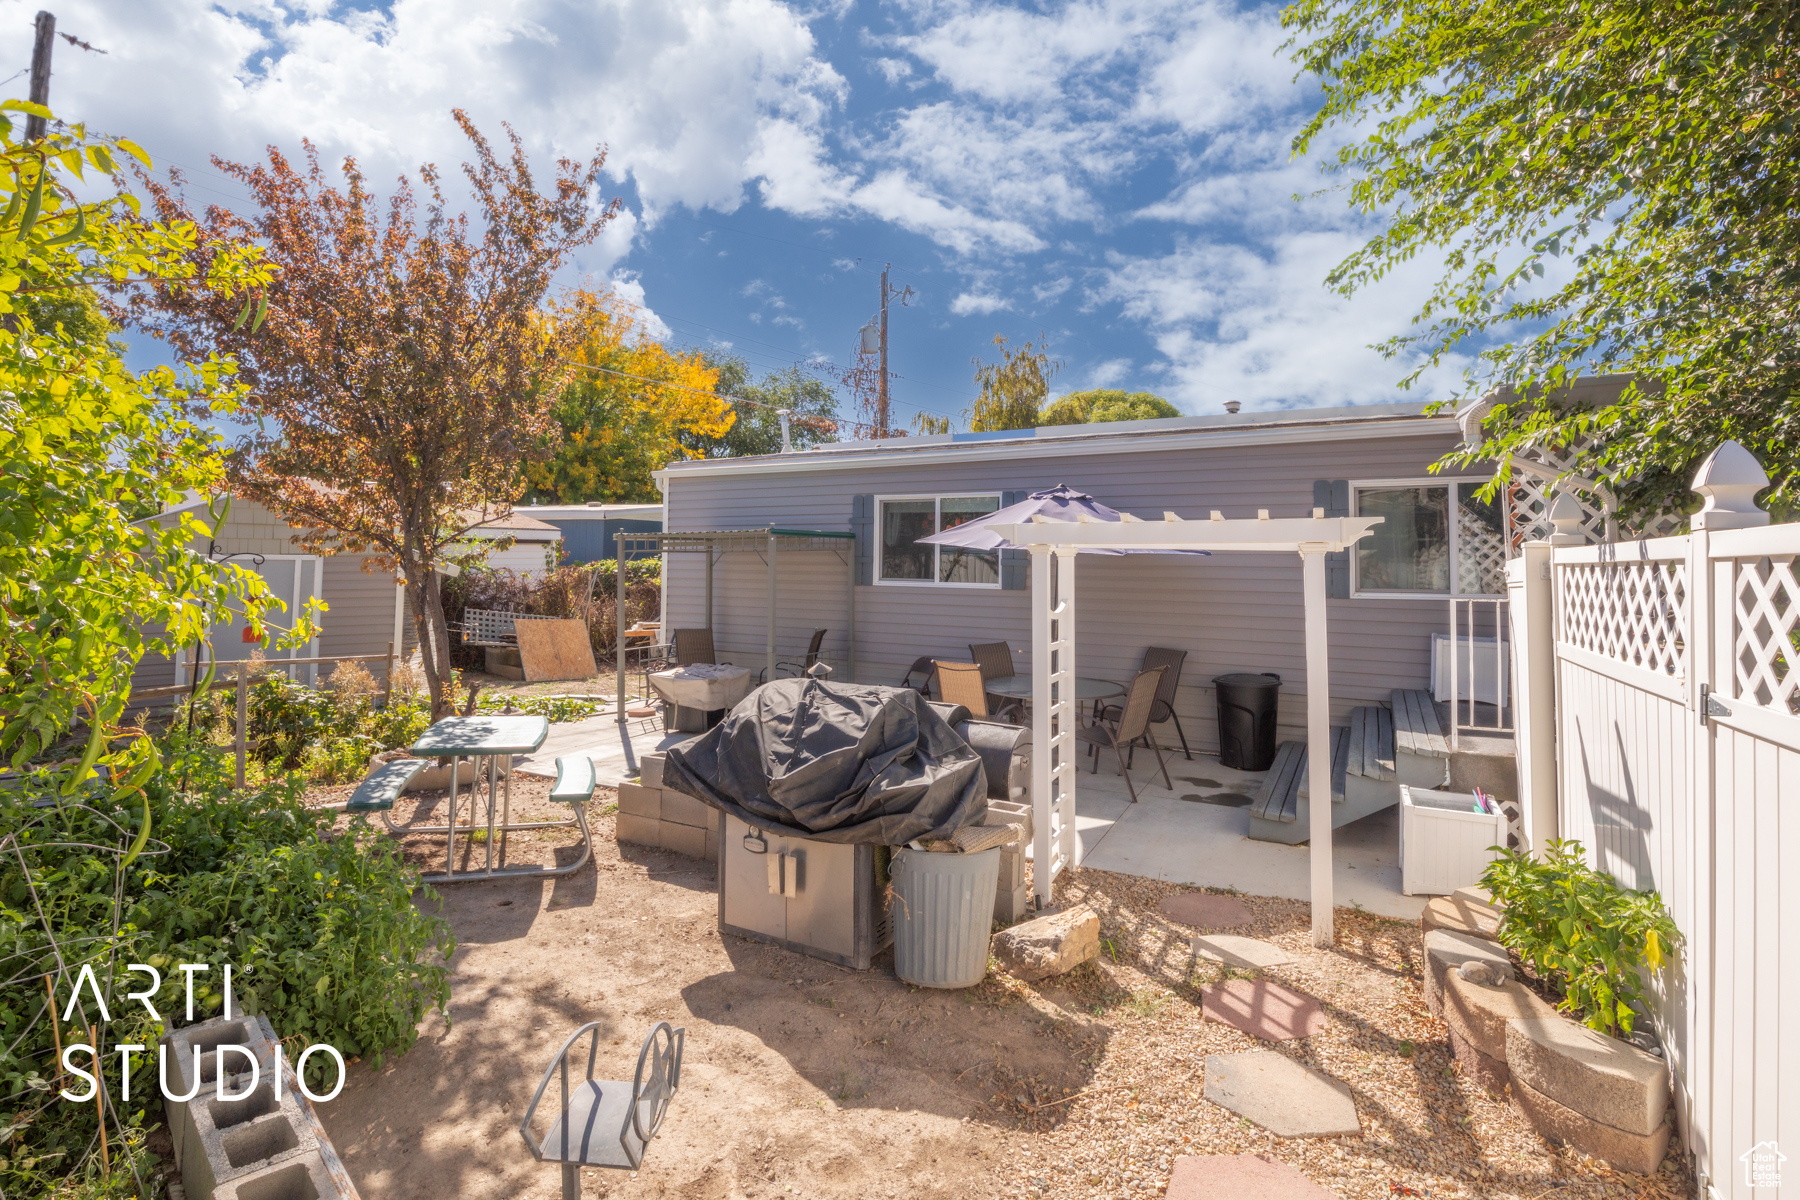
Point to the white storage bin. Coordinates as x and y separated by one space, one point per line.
1444 841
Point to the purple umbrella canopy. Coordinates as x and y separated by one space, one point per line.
1060 503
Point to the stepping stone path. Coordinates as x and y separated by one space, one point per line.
1284 1097
1218 1175
1262 1009
1204 911
1236 951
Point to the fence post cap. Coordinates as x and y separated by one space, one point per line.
1567 515
1729 480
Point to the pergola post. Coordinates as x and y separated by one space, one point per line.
851 588
769 671
1318 737
709 590
619 621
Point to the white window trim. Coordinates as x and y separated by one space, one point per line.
1358 486
938 498
296 602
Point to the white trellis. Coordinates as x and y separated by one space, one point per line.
1053 545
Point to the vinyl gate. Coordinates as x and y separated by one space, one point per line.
1677 679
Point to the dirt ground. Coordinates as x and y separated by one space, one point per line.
802 1078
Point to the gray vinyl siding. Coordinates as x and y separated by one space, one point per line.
1231 612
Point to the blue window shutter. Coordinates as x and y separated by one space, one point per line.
862 524
1333 495
1013 563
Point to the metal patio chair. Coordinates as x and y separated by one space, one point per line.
923 667
961 683
799 668
1164 709
694 646
604 1122
1133 723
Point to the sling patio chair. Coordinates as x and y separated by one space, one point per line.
694 646
996 662
1164 708
923 667
960 683
1133 723
799 668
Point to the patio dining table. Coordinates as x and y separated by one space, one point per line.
1018 687
490 737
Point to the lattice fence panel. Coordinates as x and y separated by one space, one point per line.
1767 642
493 626
1633 613
1481 569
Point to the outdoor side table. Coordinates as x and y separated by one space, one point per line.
1018 687
702 687
489 737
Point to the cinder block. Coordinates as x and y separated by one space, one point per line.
304 1177
684 839
233 1137
685 810
641 801
650 772
1012 905
1012 868
645 831
207 1037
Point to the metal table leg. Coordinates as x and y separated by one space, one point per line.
492 787
450 829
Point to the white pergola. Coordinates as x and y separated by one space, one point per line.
1054 712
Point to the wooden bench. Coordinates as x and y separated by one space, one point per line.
382 786
1416 727
1280 796
1372 743
574 779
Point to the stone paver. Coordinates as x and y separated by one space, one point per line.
1262 1009
1284 1097
1463 916
1598 1076
1236 951
1240 1175
1204 911
1445 950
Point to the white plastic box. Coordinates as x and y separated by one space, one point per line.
1444 842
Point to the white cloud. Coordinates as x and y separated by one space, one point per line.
970 304
1109 372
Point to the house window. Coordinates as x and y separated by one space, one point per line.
1435 539
904 520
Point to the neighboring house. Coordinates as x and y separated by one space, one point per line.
532 546
1230 612
367 608
588 530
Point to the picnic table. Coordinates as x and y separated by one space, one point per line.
488 737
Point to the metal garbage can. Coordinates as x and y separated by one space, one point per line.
1247 709
942 911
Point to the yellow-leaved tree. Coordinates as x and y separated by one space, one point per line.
624 410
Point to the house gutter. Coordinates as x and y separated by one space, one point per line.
1039 444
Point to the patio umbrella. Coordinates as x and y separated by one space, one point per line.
1060 503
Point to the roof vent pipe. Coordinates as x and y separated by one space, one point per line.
787 445
1231 406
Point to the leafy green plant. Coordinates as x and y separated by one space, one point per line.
1580 932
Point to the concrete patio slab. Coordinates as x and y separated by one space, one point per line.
1281 1095
1203 911
1220 1175
1262 1009
1166 837
615 755
1236 951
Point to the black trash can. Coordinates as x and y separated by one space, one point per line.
1247 719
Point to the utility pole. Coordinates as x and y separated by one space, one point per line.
40 72
882 425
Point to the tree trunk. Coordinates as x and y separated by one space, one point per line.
427 603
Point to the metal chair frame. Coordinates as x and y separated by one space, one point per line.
800 668
922 665
664 1061
1164 707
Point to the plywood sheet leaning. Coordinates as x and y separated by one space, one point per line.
555 650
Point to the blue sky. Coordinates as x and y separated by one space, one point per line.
1115 176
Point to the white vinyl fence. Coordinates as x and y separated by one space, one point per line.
1675 665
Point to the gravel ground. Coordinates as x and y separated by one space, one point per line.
1427 1131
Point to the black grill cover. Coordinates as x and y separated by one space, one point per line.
840 762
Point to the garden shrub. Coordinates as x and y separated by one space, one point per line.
322 932
1580 932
